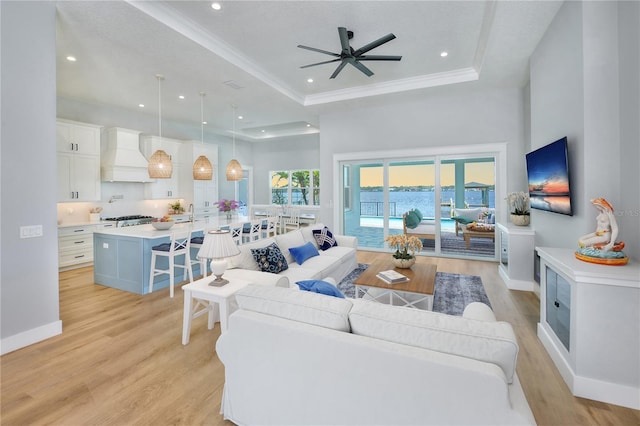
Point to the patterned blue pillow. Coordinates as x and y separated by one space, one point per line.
270 259
324 238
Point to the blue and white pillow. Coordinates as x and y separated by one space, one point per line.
319 286
324 238
270 259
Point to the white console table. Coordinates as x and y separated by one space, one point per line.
516 256
590 325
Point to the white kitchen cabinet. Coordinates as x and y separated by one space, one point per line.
78 177
77 138
590 325
205 192
78 156
75 245
164 188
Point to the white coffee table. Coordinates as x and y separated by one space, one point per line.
207 299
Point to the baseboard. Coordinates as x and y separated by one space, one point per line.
29 337
585 387
515 284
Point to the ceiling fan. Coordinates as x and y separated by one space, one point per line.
353 57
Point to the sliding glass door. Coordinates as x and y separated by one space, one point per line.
376 194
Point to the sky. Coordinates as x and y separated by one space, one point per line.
424 174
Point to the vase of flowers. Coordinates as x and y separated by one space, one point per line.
227 206
405 249
519 208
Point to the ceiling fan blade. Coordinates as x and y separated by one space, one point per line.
320 63
337 71
337 55
344 40
374 44
360 66
378 58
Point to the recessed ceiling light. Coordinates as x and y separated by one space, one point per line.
309 80
71 58
181 97
240 117
216 6
444 54
204 122
140 105
263 130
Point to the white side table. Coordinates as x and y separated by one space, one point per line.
207 298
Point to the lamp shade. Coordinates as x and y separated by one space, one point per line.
160 166
218 244
202 169
234 170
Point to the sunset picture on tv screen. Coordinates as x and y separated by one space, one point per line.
548 178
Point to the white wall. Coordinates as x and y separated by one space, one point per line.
291 153
29 267
585 86
437 119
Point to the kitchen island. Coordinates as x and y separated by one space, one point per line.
122 256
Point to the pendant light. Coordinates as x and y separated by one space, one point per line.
234 169
160 166
202 168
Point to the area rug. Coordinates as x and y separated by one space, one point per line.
453 292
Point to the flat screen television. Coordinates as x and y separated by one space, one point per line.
548 178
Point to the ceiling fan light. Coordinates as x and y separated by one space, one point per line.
202 169
234 170
160 166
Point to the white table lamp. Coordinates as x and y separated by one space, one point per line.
218 245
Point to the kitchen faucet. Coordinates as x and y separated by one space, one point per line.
190 212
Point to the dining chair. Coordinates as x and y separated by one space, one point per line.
291 219
180 245
254 231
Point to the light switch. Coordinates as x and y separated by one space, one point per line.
31 231
105 245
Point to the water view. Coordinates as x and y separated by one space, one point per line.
403 201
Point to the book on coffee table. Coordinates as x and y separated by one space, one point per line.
392 277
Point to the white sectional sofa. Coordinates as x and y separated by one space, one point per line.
336 262
301 358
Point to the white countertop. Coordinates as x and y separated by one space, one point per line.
149 232
84 223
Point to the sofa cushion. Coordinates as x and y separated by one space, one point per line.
324 238
320 286
302 306
297 273
411 219
288 240
302 253
466 215
493 342
245 259
270 258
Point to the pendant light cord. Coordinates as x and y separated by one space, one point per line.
202 95
160 78
234 131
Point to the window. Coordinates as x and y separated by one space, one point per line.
295 187
346 179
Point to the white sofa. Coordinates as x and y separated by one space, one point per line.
335 262
301 358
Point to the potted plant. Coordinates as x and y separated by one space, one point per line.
227 206
519 208
176 208
405 249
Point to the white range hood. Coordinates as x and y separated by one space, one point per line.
123 161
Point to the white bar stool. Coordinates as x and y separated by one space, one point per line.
180 245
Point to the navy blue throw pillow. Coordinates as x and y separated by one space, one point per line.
324 238
270 259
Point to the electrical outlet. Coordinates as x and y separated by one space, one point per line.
31 231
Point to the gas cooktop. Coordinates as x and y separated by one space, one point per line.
130 220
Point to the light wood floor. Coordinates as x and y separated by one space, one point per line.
120 361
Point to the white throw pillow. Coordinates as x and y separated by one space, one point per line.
469 214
